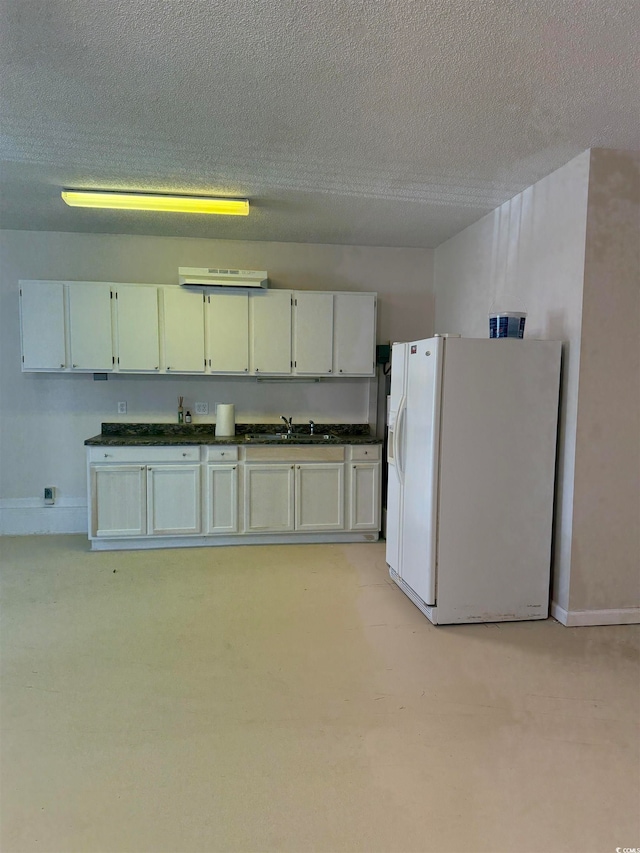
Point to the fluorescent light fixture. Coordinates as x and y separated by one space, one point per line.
150 201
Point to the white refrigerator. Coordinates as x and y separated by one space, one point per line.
471 453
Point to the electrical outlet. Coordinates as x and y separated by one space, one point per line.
122 408
49 495
202 408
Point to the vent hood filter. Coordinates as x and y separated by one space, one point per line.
213 277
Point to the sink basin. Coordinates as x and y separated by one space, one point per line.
282 436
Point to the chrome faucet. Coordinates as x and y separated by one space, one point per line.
311 426
287 423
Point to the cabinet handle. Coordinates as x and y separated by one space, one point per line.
107 455
142 467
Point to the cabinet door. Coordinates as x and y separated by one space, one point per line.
364 496
270 331
354 333
268 498
228 333
183 330
173 499
90 341
42 325
313 333
222 499
138 333
319 496
118 500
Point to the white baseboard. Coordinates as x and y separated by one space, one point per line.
576 618
28 516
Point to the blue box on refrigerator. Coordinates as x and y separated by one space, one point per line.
508 324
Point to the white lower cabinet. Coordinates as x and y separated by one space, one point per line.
160 493
173 499
268 498
319 496
118 500
147 491
364 496
221 491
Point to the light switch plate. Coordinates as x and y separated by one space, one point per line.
202 408
122 408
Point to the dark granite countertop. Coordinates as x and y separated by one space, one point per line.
153 435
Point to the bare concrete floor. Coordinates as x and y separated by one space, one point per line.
293 699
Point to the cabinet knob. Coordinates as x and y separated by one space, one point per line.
184 454
340 370
222 454
142 467
74 365
329 371
156 367
168 368
62 365
107 455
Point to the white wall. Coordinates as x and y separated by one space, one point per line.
567 250
528 255
605 564
45 418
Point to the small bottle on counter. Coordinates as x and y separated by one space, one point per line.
180 410
187 417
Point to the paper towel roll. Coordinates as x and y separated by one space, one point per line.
225 419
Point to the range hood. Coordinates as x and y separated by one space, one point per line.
214 277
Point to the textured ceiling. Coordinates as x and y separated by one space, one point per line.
372 122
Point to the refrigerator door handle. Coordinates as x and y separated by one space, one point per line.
398 439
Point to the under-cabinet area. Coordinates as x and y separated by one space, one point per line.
104 327
164 496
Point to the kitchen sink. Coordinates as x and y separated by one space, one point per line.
293 437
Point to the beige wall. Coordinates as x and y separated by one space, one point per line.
44 418
528 255
605 562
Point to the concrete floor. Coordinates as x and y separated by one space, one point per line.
291 698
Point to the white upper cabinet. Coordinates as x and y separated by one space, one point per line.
227 332
137 324
141 328
90 341
313 333
183 330
354 334
42 318
270 331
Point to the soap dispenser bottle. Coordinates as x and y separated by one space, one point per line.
180 410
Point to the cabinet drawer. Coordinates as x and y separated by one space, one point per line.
365 452
143 455
221 454
294 453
